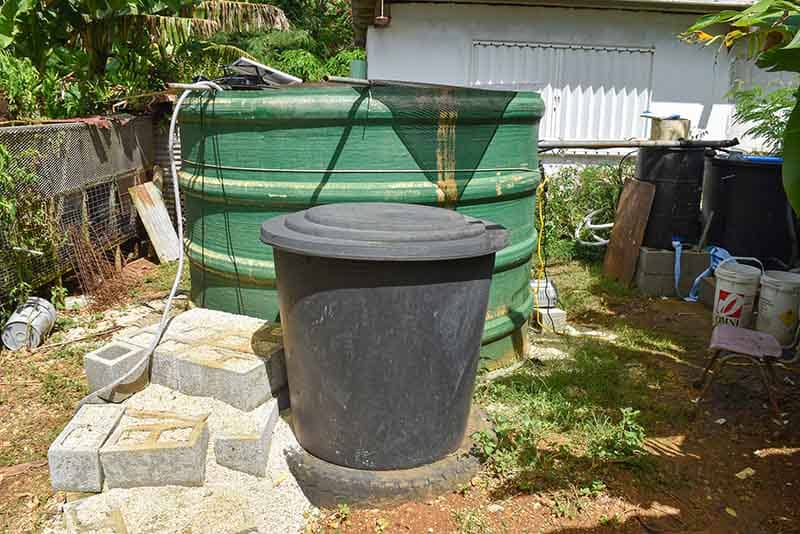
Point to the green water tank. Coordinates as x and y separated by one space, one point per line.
252 155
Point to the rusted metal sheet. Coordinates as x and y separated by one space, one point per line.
150 206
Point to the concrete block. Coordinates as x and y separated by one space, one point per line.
662 285
73 457
655 285
553 319
247 449
236 378
655 271
707 291
156 449
110 362
657 261
232 358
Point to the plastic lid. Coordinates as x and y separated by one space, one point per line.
772 160
382 232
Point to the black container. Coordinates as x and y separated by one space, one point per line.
382 307
752 216
678 176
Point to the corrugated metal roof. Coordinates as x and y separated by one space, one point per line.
364 10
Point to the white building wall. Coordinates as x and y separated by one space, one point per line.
433 43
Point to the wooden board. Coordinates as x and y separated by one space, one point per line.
630 222
150 206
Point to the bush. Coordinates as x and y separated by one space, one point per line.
18 83
300 63
765 113
339 65
573 193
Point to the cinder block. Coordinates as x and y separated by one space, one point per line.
156 449
110 362
236 378
655 285
247 449
553 319
73 457
655 272
708 287
657 261
232 358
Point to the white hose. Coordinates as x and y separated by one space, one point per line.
105 394
589 225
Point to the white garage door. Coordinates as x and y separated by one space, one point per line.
590 92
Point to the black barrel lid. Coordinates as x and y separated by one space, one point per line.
383 231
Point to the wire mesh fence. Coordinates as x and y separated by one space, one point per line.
59 179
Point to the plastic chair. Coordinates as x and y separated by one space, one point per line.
729 343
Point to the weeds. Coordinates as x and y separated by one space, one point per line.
620 441
471 522
569 503
575 191
564 424
62 390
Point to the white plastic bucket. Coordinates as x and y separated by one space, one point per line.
735 293
779 304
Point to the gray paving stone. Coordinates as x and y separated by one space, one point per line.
110 362
73 457
247 449
156 449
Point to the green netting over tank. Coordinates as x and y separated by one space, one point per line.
252 155
445 129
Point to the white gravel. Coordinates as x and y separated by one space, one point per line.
229 502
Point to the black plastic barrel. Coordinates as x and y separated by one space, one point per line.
677 173
752 216
382 308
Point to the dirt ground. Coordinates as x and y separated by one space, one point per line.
689 482
39 390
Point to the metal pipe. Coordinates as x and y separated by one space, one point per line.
347 80
636 143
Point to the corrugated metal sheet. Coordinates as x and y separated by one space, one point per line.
590 92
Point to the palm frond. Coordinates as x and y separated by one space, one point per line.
224 53
166 29
243 16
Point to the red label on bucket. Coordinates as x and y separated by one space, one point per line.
730 305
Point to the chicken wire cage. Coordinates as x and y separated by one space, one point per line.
79 179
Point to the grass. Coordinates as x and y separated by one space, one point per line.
560 426
160 281
584 292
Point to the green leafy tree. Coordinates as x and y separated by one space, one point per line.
769 30
97 26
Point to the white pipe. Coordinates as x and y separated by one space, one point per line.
105 393
587 223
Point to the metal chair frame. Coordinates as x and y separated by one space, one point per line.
765 364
